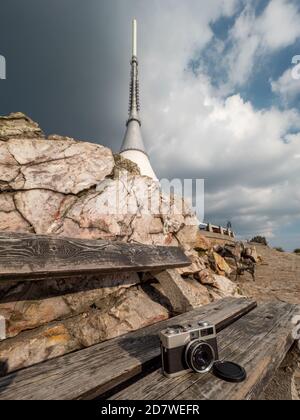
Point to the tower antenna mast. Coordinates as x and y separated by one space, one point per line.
133 147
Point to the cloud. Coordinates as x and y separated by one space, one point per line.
247 157
254 37
279 24
287 87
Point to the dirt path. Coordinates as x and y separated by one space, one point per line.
277 277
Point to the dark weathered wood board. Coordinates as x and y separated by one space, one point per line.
259 341
29 257
89 373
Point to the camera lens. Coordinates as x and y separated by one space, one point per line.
200 356
203 324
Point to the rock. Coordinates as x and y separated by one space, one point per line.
205 277
18 125
36 346
51 165
51 207
190 237
26 315
156 293
235 249
98 214
172 211
56 137
223 287
238 258
252 253
10 218
221 265
31 306
7 203
126 209
197 264
9 168
79 197
184 294
2 329
7 160
230 250
233 264
156 226
133 310
144 228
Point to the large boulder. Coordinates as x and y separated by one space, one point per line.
80 195
67 168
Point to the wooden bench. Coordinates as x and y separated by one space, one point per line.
89 373
128 367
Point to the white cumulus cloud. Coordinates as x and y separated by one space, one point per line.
254 37
287 87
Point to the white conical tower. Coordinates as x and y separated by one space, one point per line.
133 146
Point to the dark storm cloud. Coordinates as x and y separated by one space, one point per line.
67 65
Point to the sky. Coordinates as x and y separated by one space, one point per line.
220 93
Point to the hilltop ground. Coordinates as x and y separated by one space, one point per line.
278 278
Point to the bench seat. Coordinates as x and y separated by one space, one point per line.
89 373
259 342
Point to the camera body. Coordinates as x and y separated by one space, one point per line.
186 348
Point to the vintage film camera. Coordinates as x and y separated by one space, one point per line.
188 348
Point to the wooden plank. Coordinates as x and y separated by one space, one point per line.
262 358
29 257
89 373
259 341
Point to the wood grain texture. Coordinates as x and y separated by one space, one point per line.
91 372
259 341
29 257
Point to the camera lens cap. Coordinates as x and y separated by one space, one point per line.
229 372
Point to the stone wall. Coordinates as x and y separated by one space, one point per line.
57 185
